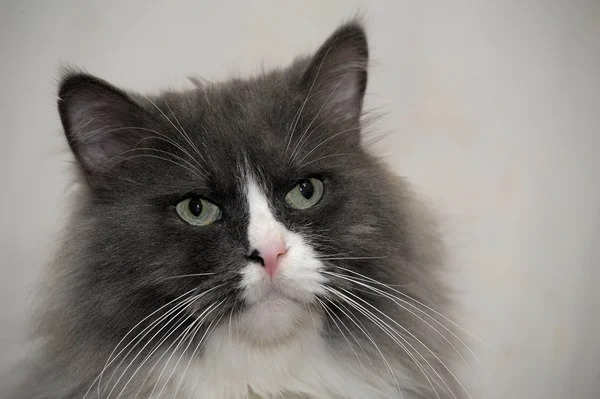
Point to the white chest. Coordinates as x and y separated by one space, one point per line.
302 367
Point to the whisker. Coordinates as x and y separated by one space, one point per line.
394 299
123 159
171 315
331 314
178 340
315 128
156 347
186 135
323 142
417 340
207 334
175 144
108 361
183 320
351 258
419 303
372 342
188 275
386 329
195 298
159 136
183 352
364 280
230 337
212 308
307 307
326 157
163 137
194 172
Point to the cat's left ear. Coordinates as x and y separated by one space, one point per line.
336 78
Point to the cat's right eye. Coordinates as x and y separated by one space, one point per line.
198 211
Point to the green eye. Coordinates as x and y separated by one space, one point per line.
198 212
305 194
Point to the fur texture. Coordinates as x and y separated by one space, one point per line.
143 304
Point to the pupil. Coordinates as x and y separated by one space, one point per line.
195 206
306 189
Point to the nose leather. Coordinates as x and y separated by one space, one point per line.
270 254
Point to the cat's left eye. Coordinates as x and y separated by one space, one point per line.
305 194
198 211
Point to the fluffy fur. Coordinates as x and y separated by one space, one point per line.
142 304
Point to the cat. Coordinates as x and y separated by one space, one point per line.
239 240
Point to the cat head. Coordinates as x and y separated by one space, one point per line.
249 197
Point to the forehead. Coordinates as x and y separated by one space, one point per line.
244 126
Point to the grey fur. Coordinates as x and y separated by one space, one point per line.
125 239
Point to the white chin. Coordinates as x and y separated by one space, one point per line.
274 319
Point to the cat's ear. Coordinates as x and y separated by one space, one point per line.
336 78
100 121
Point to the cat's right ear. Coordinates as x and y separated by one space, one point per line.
100 121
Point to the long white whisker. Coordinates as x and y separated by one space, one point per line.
178 340
173 318
307 307
202 318
395 300
318 126
341 307
351 258
323 142
186 135
371 340
170 315
177 157
175 144
230 337
182 353
195 298
188 275
389 330
158 345
331 315
159 136
199 345
193 171
417 302
326 157
108 361
420 342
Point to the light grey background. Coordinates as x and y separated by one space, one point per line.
492 109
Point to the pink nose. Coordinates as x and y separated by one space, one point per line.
269 253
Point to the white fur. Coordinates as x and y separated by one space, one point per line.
298 274
276 302
275 348
301 366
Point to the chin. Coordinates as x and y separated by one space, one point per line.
274 320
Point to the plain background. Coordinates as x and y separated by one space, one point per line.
492 109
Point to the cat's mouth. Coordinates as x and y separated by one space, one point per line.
279 287
276 318
278 306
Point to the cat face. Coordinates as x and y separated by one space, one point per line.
241 198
